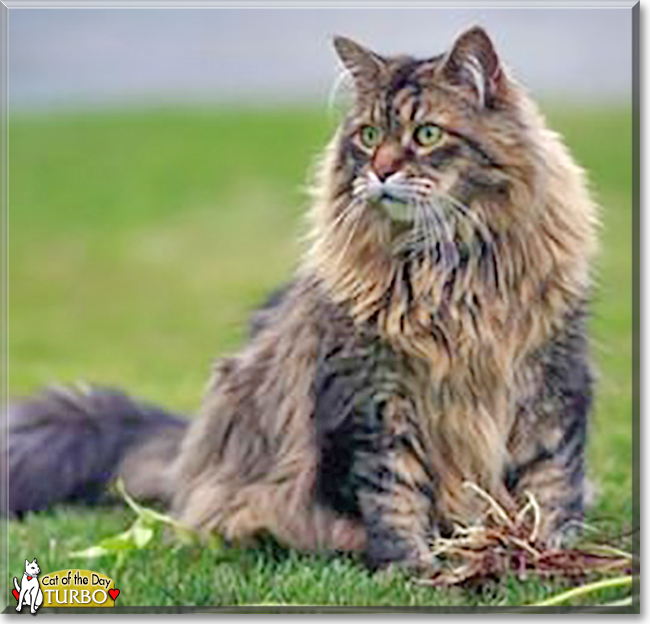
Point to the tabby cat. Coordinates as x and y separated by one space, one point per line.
433 335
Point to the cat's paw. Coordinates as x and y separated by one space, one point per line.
564 537
389 551
396 552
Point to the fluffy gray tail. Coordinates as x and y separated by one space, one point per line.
67 444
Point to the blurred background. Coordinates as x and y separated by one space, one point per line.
101 57
157 166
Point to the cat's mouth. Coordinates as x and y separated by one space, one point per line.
393 196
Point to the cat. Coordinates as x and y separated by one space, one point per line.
29 590
434 334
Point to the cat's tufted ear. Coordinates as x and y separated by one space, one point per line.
474 64
365 66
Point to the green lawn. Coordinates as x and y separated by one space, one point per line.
140 241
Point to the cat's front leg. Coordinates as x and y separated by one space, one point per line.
395 488
372 459
36 598
21 599
548 438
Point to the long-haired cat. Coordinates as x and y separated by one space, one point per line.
434 334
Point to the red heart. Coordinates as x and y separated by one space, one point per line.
16 594
114 593
29 578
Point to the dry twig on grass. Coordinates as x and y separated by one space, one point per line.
509 544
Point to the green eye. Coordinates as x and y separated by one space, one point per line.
427 135
370 135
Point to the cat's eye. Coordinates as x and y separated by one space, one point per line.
370 136
427 135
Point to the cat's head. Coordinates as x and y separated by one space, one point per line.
32 568
427 138
443 187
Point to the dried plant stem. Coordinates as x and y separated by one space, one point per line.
608 550
493 504
511 542
532 501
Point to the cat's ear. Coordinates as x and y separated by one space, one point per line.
26 562
473 63
34 560
364 65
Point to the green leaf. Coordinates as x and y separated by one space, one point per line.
141 534
123 541
94 552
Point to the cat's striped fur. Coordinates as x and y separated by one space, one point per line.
409 354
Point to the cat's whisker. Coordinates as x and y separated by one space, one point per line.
431 234
341 79
487 239
434 238
356 208
448 252
437 236
461 209
359 187
470 217
345 214
420 231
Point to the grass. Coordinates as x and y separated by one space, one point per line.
139 243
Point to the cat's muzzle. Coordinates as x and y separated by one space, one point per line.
391 195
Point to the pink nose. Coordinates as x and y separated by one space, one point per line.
388 159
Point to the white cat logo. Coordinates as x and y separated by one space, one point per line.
29 591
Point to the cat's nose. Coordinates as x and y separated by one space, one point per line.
388 160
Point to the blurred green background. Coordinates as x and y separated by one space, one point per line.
139 243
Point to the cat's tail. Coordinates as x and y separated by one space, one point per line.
16 584
68 444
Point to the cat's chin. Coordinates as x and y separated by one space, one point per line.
398 212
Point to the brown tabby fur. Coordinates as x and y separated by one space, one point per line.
406 357
463 343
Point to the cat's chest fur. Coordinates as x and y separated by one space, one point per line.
457 414
29 580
